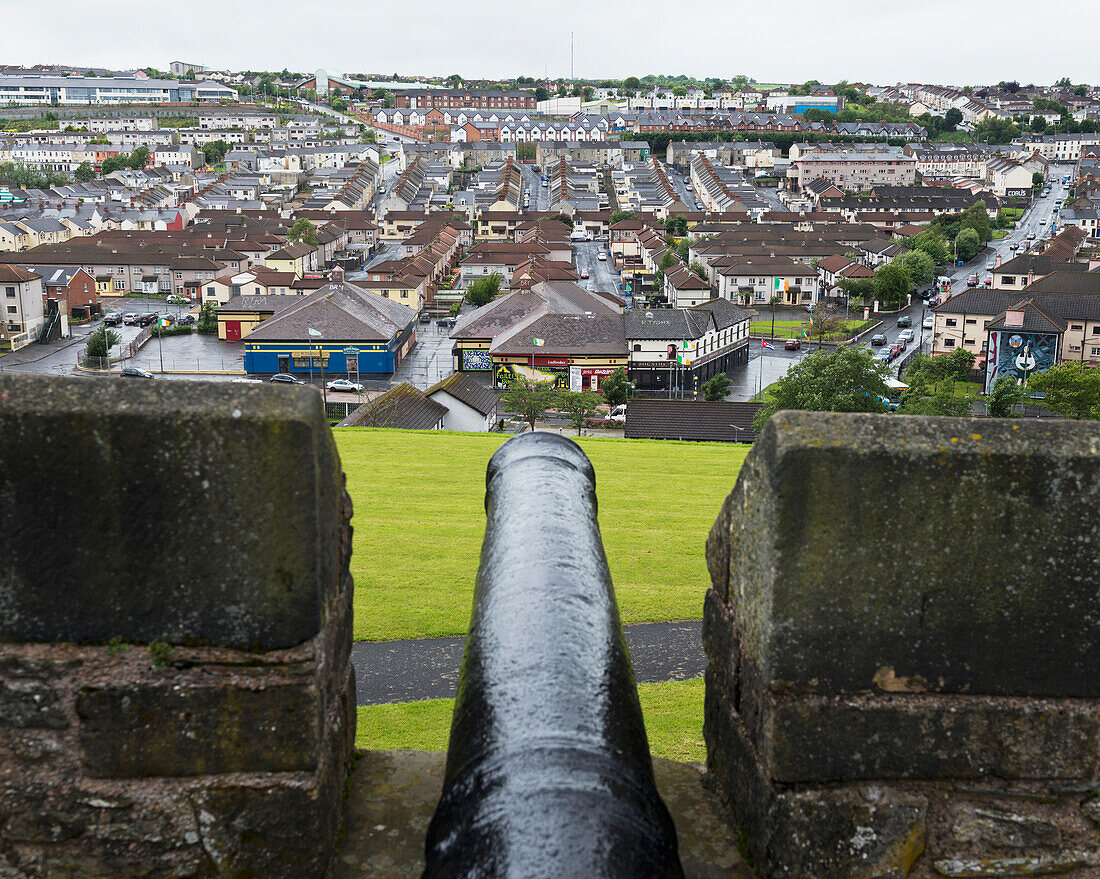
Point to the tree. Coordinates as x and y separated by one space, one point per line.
846 379
1071 389
1004 397
618 216
617 388
919 399
994 129
668 260
1037 180
483 290
562 91
717 388
824 321
891 284
632 82
578 406
139 158
208 318
774 301
956 365
952 118
454 81
588 93
541 94
699 269
339 105
679 92
967 244
1080 90
96 347
931 242
1063 83
214 151
529 400
976 217
677 226
302 230
84 172
857 289
564 219
918 266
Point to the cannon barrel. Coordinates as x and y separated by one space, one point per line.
548 770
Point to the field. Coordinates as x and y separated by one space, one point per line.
792 329
673 720
419 520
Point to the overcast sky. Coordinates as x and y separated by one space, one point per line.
880 41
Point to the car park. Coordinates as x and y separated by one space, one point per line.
878 339
284 378
905 321
134 372
344 384
792 345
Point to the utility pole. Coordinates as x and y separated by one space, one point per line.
571 76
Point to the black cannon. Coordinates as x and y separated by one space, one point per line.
548 771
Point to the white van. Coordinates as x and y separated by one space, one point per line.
579 235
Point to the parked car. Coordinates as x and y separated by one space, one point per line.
1014 247
792 345
285 378
972 281
907 335
602 256
130 319
445 322
988 282
905 321
584 275
176 299
113 319
343 384
929 322
187 320
877 340
134 372
147 319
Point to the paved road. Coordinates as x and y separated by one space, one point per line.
430 361
684 190
405 671
532 182
602 274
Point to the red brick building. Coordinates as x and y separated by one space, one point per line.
464 99
71 285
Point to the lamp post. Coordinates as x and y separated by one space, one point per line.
316 334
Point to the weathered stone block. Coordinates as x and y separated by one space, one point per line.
819 740
163 730
996 562
995 828
27 704
202 518
720 641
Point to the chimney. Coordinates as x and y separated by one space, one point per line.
1030 276
337 276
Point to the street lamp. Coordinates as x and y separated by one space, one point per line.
316 334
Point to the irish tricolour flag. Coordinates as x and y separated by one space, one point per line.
537 342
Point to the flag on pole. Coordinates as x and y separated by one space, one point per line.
537 342
767 344
163 322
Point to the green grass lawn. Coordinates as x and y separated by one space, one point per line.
420 518
673 719
792 329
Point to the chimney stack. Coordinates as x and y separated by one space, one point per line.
337 276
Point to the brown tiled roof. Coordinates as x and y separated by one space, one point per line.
16 275
460 386
404 407
591 334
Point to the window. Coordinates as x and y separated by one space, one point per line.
951 322
638 347
971 320
949 343
13 310
1074 347
1076 326
10 291
1094 352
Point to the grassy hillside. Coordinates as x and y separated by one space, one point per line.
419 520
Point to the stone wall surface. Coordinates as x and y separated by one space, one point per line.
176 694
903 634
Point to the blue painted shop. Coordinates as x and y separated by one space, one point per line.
341 328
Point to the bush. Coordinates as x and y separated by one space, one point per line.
208 318
178 330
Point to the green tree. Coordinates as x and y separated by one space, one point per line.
931 242
588 93
562 91
632 82
214 151
952 118
920 399
976 217
824 321
891 284
339 105
1004 397
1037 180
957 365
84 172
529 400
993 129
967 244
138 159
1080 90
1070 389
96 346
845 379
483 290
618 216
454 81
541 94
302 230
679 92
616 388
773 302
578 406
857 289
918 265
208 318
668 260
717 388
699 269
